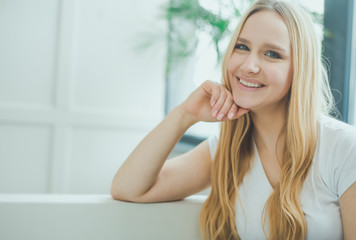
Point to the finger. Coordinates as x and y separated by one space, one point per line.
232 112
241 111
215 94
226 107
219 103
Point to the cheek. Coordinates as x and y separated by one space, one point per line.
229 69
282 77
288 79
230 72
233 63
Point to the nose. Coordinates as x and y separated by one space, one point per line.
251 64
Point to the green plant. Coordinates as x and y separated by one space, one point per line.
191 12
216 24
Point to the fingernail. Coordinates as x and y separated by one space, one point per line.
231 115
215 113
220 116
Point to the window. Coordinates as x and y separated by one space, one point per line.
352 85
338 21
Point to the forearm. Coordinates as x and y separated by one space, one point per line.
139 172
210 102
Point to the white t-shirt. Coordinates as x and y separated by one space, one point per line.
333 171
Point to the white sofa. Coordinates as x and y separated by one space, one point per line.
89 217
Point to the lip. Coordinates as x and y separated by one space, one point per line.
249 89
250 80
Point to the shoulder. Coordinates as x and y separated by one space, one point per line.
336 154
337 134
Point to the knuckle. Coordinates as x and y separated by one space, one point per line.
207 82
223 111
223 94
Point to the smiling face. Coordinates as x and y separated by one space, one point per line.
260 67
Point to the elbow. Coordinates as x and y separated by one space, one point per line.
118 195
115 194
126 192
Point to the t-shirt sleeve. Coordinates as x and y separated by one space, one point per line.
213 144
345 171
340 159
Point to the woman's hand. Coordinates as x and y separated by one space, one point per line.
212 102
161 181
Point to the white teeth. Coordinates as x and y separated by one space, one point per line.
249 84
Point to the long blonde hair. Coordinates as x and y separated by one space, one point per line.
310 96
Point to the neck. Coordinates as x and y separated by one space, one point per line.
268 127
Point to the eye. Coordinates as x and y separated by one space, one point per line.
273 54
241 47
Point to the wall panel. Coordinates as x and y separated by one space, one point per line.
75 95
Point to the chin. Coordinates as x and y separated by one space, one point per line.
243 103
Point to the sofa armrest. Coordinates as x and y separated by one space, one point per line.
89 217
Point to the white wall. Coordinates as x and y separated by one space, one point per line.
75 95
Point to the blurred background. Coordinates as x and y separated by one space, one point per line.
82 82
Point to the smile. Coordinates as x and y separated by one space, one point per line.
250 84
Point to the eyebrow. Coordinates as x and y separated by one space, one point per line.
268 45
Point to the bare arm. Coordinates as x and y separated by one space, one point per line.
139 172
348 212
145 177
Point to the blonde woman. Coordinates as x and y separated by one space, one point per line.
280 167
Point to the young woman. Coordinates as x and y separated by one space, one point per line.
280 167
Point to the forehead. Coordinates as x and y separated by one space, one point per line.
266 26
